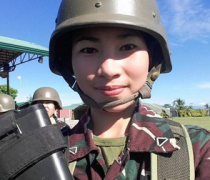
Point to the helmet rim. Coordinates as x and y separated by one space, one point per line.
117 20
41 95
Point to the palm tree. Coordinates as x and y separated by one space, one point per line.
179 104
207 106
188 109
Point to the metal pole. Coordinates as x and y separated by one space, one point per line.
8 83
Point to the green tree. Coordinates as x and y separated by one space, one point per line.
12 92
207 106
182 109
188 110
179 104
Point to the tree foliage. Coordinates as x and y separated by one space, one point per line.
179 104
188 111
12 92
164 114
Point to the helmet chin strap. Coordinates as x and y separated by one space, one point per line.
144 92
104 105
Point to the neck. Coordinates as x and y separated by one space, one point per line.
111 124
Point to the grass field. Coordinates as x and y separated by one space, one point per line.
200 121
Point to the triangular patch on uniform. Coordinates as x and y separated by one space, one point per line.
73 150
161 141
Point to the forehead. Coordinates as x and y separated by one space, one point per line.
106 31
101 29
46 101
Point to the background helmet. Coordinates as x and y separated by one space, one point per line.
142 15
6 103
48 94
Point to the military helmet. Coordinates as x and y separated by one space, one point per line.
142 15
6 103
139 15
47 94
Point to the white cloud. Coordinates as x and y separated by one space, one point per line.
202 103
205 86
189 19
175 44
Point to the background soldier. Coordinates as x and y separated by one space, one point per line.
6 103
50 99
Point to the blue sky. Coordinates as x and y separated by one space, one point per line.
187 23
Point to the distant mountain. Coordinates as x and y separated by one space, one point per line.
199 107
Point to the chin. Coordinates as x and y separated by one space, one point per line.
120 108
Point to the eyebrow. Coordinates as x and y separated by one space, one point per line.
126 35
95 39
87 38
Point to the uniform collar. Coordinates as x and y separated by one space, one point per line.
148 133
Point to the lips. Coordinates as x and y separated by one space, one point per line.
110 90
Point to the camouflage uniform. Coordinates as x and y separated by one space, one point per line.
134 163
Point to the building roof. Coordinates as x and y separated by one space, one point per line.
22 46
10 49
21 103
73 106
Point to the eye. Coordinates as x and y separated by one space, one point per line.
127 47
89 50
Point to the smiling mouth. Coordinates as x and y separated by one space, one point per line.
111 90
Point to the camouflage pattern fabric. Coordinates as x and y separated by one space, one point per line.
148 133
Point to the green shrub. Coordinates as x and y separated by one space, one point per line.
182 113
189 114
193 113
203 112
164 114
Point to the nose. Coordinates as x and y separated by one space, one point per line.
109 68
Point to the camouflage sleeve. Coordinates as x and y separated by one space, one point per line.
201 146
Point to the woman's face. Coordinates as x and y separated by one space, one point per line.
110 64
49 106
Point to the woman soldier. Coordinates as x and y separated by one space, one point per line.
111 52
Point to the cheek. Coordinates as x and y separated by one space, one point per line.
138 68
83 70
51 107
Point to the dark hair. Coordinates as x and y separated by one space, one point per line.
154 50
65 44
